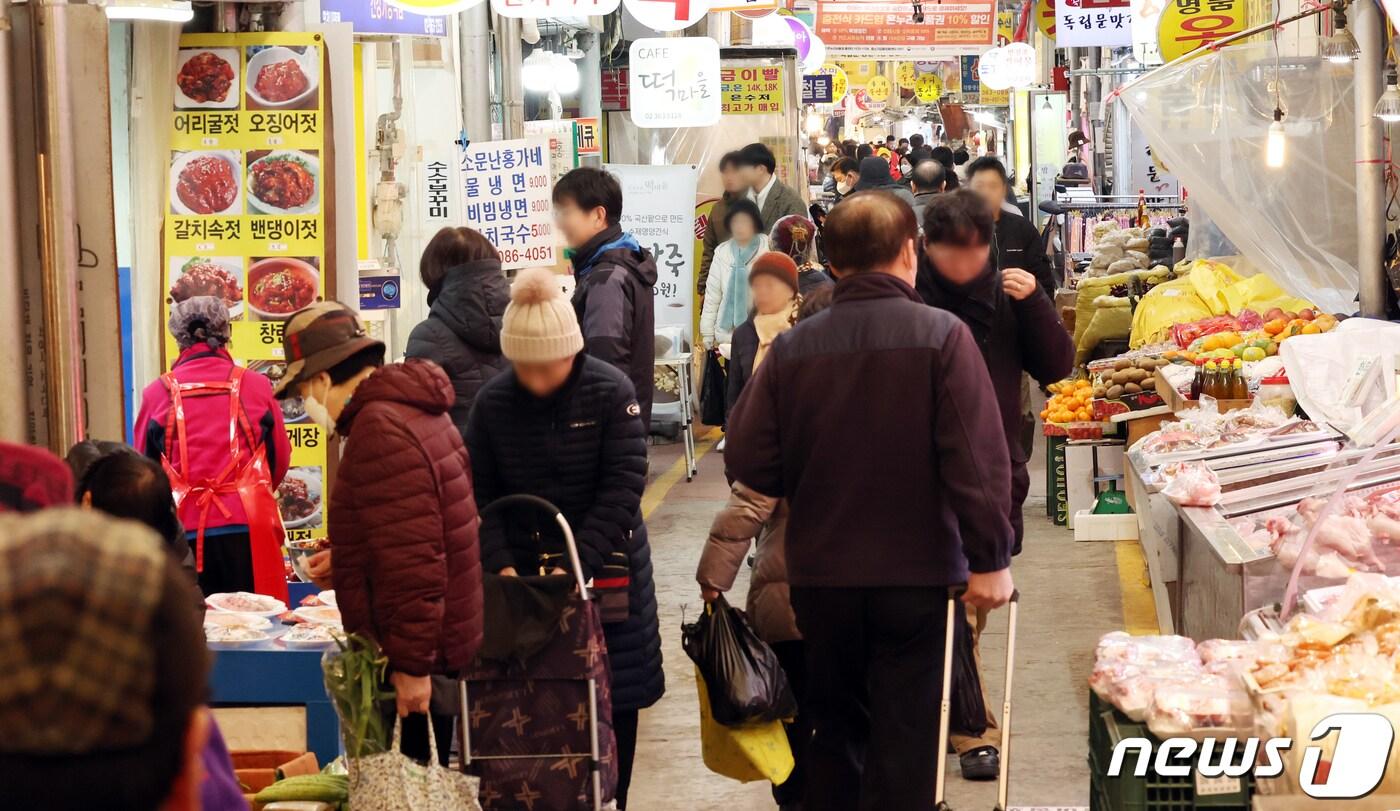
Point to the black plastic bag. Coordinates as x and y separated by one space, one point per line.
744 679
714 387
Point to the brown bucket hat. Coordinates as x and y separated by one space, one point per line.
317 338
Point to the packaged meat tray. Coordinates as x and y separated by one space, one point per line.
1213 707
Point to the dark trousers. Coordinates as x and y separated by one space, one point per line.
625 730
874 673
228 562
793 656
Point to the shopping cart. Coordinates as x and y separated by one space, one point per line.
946 707
536 707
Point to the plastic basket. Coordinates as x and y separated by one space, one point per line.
1152 792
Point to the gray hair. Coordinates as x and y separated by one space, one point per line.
199 320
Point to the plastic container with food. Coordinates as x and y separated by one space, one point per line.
1276 391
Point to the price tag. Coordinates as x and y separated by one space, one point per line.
277 247
204 247
1215 786
275 140
209 141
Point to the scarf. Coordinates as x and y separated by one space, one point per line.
769 327
736 296
583 265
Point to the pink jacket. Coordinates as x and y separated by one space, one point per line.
207 425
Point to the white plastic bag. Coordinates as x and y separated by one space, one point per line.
1195 485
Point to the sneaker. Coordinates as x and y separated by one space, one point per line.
719 446
982 763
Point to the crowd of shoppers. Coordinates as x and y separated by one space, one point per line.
912 361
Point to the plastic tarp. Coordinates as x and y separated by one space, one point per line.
1207 118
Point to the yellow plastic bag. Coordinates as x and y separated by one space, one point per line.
1260 294
746 754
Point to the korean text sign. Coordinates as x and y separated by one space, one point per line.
818 88
751 90
507 198
658 208
1093 23
871 28
1188 24
245 214
382 17
675 82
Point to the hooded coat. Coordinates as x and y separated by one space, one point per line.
613 299
875 176
462 332
403 523
584 450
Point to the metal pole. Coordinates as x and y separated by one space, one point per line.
512 89
474 43
58 248
1366 25
15 407
1096 119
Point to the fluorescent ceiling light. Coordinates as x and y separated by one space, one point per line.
170 11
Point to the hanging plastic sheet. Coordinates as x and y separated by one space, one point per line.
1207 119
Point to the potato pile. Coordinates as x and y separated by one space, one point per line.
1129 376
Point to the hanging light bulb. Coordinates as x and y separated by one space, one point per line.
536 72
1274 146
1388 105
814 123
564 75
1341 47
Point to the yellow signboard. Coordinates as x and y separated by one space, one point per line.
879 88
1045 17
928 88
860 72
839 83
907 74
751 91
245 211
1189 24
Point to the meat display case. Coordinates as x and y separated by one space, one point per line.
1190 588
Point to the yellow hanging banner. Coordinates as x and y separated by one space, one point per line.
1189 24
907 75
1045 17
839 83
878 88
928 88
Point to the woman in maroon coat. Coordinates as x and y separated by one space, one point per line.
403 522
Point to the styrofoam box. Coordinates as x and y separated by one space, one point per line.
1106 527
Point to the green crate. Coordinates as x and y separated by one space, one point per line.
1152 792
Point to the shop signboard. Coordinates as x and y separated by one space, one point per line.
968 73
616 85
840 83
1093 23
667 15
535 9
1044 11
928 88
993 97
751 90
817 88
563 143
588 136
745 7
660 213
380 292
1189 24
245 216
507 185
876 29
675 82
380 17
438 174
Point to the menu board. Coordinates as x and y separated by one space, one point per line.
507 185
244 213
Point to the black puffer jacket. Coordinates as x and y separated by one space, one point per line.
583 449
616 309
462 332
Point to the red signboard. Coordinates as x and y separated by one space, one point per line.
615 89
872 28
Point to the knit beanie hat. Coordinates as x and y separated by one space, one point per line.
539 325
778 265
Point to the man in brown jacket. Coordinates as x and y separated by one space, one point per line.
897 483
403 522
731 180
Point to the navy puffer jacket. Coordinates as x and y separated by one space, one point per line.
462 332
584 450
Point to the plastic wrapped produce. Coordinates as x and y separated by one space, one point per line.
1212 707
1195 485
1133 693
1143 650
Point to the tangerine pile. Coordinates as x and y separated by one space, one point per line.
1069 402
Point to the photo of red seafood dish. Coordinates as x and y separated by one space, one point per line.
204 276
281 81
299 497
207 78
278 287
283 183
278 77
204 183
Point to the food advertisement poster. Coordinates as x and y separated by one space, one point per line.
675 82
659 210
507 186
1189 24
1093 23
245 218
751 90
871 28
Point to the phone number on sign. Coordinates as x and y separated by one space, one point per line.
538 253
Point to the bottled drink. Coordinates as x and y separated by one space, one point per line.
1241 391
1198 379
1210 384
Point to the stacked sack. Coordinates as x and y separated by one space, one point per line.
1118 250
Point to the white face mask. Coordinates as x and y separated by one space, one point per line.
318 412
844 187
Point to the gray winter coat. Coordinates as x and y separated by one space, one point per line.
462 332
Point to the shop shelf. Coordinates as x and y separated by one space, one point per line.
1152 792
